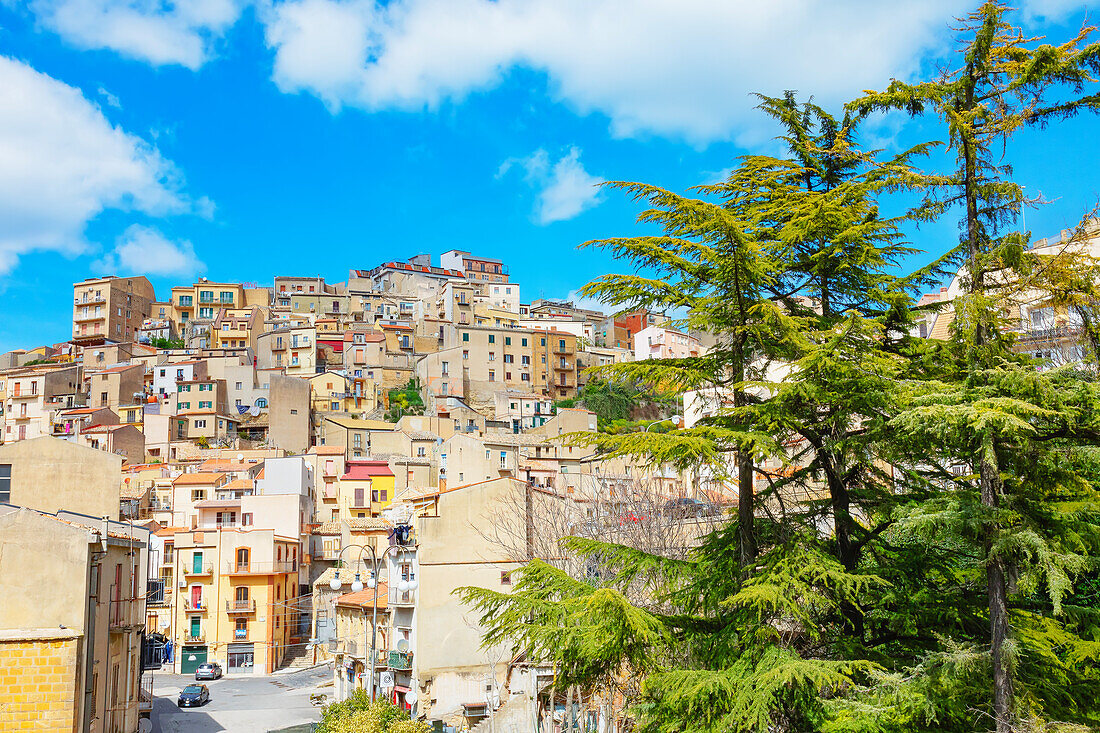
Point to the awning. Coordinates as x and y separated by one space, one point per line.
400 688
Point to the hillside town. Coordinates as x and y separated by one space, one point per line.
249 457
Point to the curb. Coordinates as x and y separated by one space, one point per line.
292 670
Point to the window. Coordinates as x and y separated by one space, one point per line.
508 359
240 385
465 336
492 356
542 342
505 577
465 354
200 423
492 339
492 376
445 365
246 519
198 494
524 342
420 451
240 631
205 405
5 483
507 340
504 459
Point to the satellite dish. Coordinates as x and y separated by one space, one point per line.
402 645
411 697
240 458
254 411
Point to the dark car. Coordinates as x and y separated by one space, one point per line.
687 507
208 671
194 696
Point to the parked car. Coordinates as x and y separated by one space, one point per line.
208 671
194 696
687 507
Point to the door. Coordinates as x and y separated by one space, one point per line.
190 658
196 562
196 626
196 596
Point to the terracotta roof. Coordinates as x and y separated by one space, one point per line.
240 483
365 597
225 464
355 524
170 531
421 434
366 469
327 450
185 479
132 492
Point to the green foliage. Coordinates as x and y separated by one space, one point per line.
358 714
405 401
938 569
161 343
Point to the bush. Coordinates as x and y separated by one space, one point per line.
358 714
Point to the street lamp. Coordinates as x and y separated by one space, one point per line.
372 582
675 420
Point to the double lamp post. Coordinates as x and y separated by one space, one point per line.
372 582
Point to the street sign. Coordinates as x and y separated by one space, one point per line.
385 680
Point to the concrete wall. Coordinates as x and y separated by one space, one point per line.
288 413
452 553
50 474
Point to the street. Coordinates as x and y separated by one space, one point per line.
241 704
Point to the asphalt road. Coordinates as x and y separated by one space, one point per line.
241 704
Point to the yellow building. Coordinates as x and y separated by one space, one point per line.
365 489
237 591
334 392
203 300
236 328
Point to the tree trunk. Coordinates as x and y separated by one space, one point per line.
998 608
746 534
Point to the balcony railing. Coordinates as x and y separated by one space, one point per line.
124 613
235 606
190 637
207 569
1055 333
193 606
154 593
401 661
260 568
401 598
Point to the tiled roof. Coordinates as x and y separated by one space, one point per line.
365 597
327 450
202 478
366 469
134 491
421 434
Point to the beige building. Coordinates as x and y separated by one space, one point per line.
50 475
203 300
110 308
71 631
115 385
237 328
32 397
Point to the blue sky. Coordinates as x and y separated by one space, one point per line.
240 139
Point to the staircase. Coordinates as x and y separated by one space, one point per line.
298 656
514 716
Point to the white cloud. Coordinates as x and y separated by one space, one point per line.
159 32
565 188
62 163
681 68
146 251
110 99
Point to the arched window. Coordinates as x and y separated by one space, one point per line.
261 402
242 558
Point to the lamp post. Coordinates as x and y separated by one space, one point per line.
675 420
372 582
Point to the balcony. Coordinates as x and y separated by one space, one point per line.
191 570
124 613
154 593
400 661
563 367
89 300
248 606
190 637
1056 333
401 598
193 606
261 568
